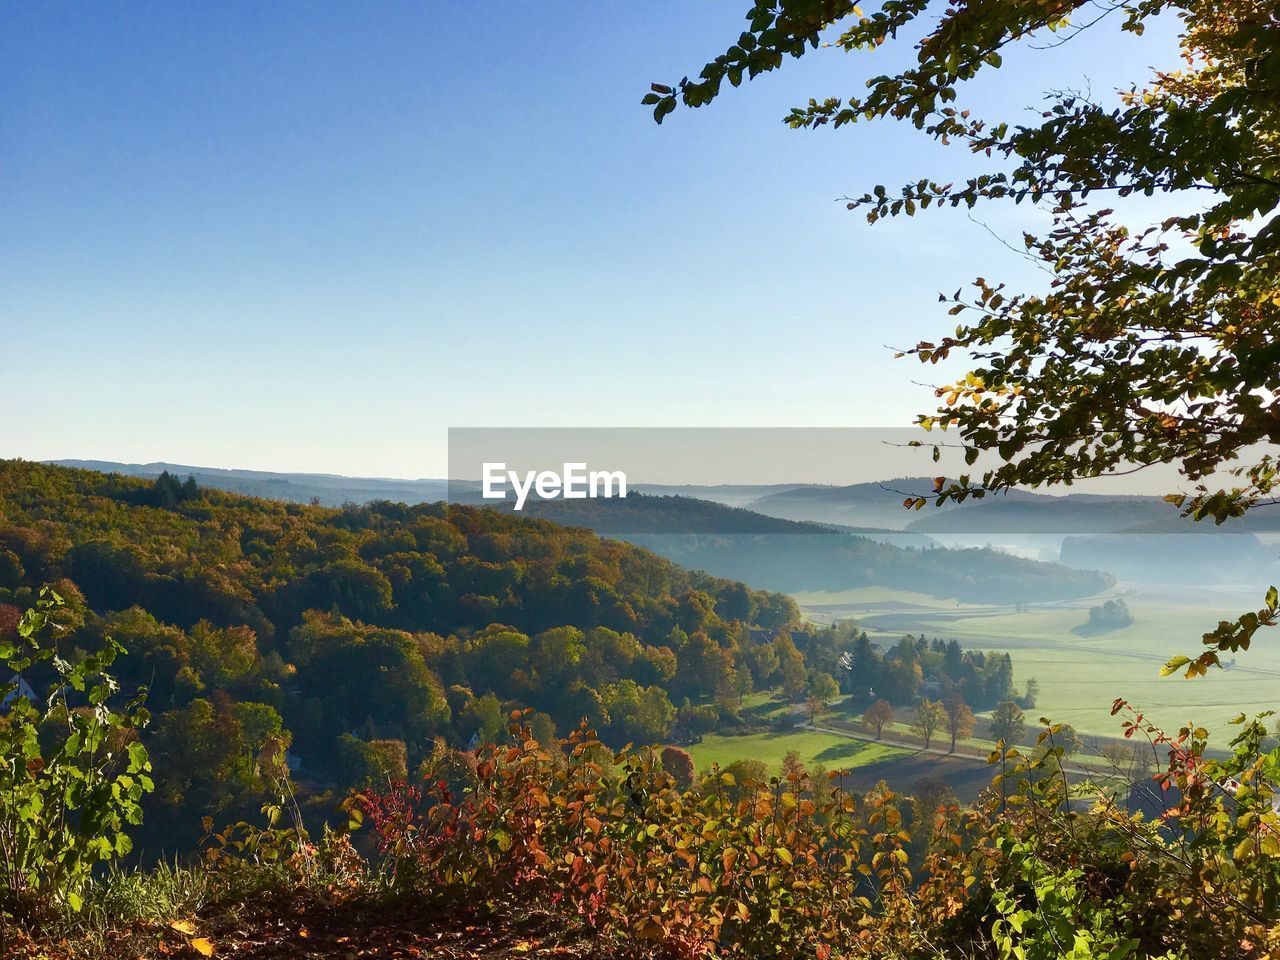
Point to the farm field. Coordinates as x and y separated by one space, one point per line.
815 749
1080 676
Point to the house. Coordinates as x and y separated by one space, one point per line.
20 688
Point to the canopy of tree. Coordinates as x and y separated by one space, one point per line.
1151 345
898 676
346 631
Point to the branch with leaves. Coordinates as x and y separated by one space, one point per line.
1148 346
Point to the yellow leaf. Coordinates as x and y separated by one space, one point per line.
183 926
650 929
203 946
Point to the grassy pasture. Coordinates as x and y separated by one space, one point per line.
1080 676
831 751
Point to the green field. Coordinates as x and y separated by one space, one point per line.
815 749
1080 676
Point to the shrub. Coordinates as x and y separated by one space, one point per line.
742 867
64 805
734 868
677 762
364 763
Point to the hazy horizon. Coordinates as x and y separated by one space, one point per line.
1118 486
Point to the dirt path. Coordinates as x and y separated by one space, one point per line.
960 753
393 933
277 927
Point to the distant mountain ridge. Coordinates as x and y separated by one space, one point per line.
330 490
858 504
871 508
335 489
1015 512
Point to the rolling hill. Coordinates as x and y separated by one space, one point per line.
764 551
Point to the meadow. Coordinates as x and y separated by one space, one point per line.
815 749
1080 676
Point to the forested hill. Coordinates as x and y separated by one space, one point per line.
771 553
328 489
642 513
361 633
806 562
763 550
237 559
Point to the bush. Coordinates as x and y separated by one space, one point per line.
610 845
363 763
785 868
64 806
738 868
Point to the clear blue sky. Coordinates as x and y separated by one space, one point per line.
311 236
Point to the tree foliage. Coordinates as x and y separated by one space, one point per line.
67 801
960 719
1148 345
927 719
878 716
1007 722
262 626
898 674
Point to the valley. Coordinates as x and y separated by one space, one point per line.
1080 676
852 554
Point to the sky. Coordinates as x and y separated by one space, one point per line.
314 236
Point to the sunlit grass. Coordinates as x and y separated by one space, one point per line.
1080 676
829 750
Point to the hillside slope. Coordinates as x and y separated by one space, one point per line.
765 551
1011 512
771 553
357 636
